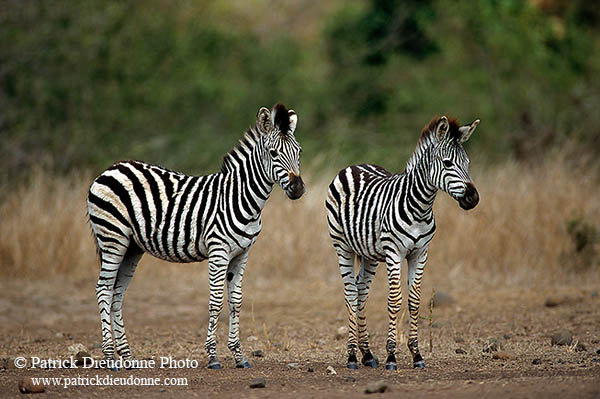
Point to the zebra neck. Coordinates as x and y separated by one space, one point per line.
420 189
249 179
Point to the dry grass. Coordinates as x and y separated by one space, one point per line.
516 236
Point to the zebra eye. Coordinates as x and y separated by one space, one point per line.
273 153
448 163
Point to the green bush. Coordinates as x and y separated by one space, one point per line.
83 84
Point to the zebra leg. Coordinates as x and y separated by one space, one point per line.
416 266
217 269
124 276
235 273
110 260
394 303
346 261
363 282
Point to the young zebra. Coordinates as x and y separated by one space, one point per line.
135 208
384 217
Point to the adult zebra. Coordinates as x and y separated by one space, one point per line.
135 208
384 217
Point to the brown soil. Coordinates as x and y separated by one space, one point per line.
296 322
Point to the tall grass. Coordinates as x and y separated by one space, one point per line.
517 236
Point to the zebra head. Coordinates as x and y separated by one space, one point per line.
281 151
450 163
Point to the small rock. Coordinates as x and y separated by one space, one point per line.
341 333
553 301
562 337
59 335
507 336
294 366
310 370
349 378
331 370
376 387
26 386
10 362
83 358
441 299
258 353
580 347
75 348
494 344
258 383
461 351
459 340
251 338
502 356
598 352
536 361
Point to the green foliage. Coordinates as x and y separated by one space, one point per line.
86 83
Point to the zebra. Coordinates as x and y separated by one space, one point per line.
135 207
384 217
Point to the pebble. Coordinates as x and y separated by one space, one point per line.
536 361
82 358
376 387
580 347
349 378
75 348
459 340
258 383
341 333
8 363
310 370
461 351
553 301
502 356
494 344
251 338
562 337
294 366
258 353
331 370
26 386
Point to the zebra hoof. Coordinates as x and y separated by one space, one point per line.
391 366
370 360
243 365
419 364
352 365
214 364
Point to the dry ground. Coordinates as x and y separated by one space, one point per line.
297 323
500 262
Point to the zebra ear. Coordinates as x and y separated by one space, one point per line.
281 118
293 121
467 130
263 120
441 128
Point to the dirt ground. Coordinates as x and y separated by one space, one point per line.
294 324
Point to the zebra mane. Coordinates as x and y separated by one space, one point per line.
427 138
241 151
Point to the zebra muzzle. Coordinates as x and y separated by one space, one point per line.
470 199
295 188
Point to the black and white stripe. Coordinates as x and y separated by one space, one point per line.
383 217
135 207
